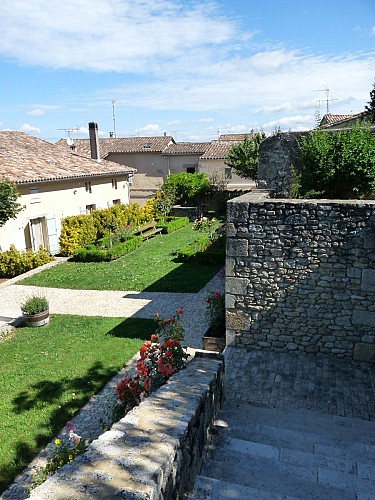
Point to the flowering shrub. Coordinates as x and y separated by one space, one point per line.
160 358
216 309
69 446
203 224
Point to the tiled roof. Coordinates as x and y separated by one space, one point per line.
181 148
329 119
234 137
218 150
121 145
27 159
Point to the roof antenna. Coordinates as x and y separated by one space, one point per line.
327 99
114 117
69 140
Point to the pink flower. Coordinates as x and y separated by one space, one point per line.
217 295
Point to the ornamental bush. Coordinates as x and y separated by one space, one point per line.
160 358
93 254
13 262
76 231
173 223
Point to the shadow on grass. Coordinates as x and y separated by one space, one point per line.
50 392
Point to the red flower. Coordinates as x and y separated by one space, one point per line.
217 295
179 311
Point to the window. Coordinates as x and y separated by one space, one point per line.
88 187
90 208
114 183
34 195
116 202
228 173
190 170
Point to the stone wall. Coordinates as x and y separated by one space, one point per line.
301 275
155 451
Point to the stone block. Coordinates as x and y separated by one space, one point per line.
369 240
238 248
238 320
366 318
237 286
368 280
364 352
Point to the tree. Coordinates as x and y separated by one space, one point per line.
9 207
187 188
371 105
337 165
243 156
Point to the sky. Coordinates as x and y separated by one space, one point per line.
190 69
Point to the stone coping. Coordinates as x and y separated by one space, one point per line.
156 450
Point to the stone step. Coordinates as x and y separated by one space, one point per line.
207 488
269 475
342 428
301 441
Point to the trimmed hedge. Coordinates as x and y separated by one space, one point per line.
13 262
93 254
204 251
173 223
76 231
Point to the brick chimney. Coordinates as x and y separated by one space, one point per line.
94 141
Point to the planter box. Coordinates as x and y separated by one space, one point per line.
214 340
39 319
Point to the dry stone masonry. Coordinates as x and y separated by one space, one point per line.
301 275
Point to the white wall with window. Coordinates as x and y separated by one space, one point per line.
49 202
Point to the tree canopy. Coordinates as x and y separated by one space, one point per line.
337 165
243 156
371 105
185 187
9 207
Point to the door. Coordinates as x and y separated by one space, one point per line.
37 233
53 240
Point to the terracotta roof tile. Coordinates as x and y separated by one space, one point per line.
218 150
186 148
121 145
234 137
27 159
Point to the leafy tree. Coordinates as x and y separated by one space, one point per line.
9 207
186 187
337 164
243 156
371 105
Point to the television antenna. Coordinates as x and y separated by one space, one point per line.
69 139
114 117
327 99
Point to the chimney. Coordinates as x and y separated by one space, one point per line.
94 141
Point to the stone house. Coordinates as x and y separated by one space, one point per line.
54 183
212 162
145 154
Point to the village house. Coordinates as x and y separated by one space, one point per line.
54 183
145 154
212 162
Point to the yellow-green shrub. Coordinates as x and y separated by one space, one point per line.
13 262
76 231
149 211
119 216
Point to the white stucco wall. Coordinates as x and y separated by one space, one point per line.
54 201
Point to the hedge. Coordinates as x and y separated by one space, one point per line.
173 223
93 254
204 251
13 262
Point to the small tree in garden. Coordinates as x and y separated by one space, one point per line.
187 188
9 207
243 156
164 201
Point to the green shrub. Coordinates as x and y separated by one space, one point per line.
118 215
173 223
76 231
93 254
186 187
204 250
13 262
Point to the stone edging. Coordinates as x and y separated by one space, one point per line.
156 450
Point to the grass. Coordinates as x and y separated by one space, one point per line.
48 374
151 267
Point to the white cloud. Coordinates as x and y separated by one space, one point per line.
108 35
36 112
296 123
29 128
150 129
373 30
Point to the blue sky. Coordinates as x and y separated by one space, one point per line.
192 69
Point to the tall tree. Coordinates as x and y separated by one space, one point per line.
371 105
9 207
243 156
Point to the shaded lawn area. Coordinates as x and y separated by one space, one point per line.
151 267
47 374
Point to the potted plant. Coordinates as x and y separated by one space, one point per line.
214 339
35 310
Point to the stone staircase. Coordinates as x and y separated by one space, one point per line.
265 453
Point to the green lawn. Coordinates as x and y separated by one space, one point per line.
151 267
47 374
